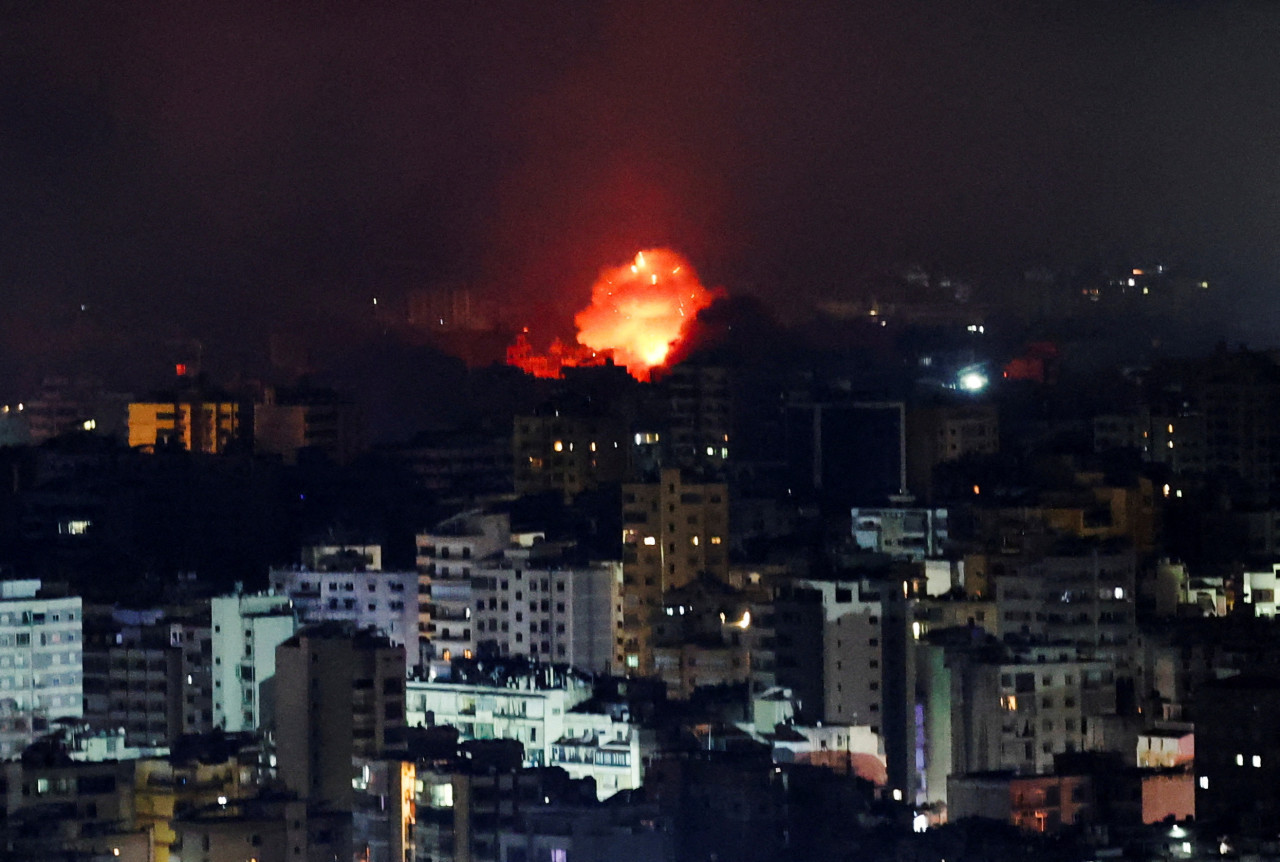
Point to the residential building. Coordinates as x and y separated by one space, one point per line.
289 421
901 532
41 662
673 530
543 602
340 695
386 602
514 700
1237 759
447 557
246 631
943 433
559 451
193 417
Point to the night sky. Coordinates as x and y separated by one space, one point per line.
226 171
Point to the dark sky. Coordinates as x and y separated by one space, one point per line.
222 171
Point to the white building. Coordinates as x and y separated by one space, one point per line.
41 663
1260 590
534 716
447 556
529 603
538 710
246 631
384 601
606 748
910 533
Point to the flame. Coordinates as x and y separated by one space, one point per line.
638 311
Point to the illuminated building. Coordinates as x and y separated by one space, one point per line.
1047 803
192 418
246 631
41 655
909 533
542 603
386 602
863 670
673 530
526 703
289 421
447 557
339 695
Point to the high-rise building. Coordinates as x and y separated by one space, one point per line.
246 631
447 557
288 421
558 451
386 602
41 662
340 691
192 416
531 602
673 531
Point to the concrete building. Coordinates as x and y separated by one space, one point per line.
289 421
1260 590
447 557
673 531
528 704
246 631
191 417
41 662
558 451
1016 714
340 695
698 417
948 432
1047 803
1237 761
386 602
133 677
901 532
66 404
865 655
541 603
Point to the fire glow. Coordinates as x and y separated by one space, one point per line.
639 311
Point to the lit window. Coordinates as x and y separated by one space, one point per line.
715 540
633 660
1257 761
559 446
650 540
1239 760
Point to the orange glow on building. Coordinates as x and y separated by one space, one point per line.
638 312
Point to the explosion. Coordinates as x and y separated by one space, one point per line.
638 313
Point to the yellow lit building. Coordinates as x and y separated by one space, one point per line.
671 532
187 422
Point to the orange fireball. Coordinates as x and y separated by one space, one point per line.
639 310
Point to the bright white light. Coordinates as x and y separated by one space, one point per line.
973 381
897 795
920 823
